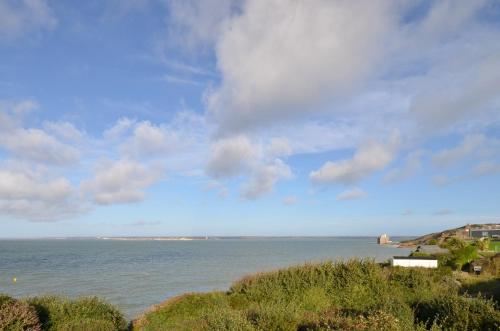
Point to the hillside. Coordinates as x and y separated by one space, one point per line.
351 295
438 237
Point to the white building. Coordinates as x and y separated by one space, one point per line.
414 261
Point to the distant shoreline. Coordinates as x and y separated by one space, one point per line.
191 238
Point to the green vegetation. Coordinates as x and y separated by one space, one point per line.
16 315
50 313
351 295
495 246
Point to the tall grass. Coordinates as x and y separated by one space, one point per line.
51 313
350 295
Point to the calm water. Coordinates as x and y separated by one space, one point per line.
137 274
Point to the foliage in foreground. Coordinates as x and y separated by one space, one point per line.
16 315
352 295
50 313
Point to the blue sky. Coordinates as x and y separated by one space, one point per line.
248 117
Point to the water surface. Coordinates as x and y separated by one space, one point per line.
137 274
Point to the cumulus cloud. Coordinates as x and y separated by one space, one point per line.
285 58
230 157
411 166
369 158
469 145
25 194
259 163
38 146
34 144
199 22
19 17
352 194
121 181
64 130
149 140
263 179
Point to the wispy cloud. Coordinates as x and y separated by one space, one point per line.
352 194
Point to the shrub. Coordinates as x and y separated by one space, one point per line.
279 317
483 244
226 320
454 312
432 241
17 316
58 313
87 325
186 312
337 320
454 243
463 256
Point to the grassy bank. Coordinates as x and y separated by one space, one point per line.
50 313
351 295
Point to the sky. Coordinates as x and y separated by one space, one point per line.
248 117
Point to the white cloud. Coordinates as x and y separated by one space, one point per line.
258 162
278 147
28 195
121 181
285 58
149 140
369 158
486 168
411 166
19 17
38 146
230 157
352 194
64 130
469 145
121 127
264 178
196 24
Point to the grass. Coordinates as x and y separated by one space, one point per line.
344 295
495 246
51 313
351 295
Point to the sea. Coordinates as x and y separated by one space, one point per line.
136 274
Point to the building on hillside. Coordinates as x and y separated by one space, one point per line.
383 239
485 233
414 262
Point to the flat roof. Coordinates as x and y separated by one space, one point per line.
414 258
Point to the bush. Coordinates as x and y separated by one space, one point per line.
454 312
61 314
279 317
337 320
463 256
350 295
226 320
454 243
432 241
17 316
